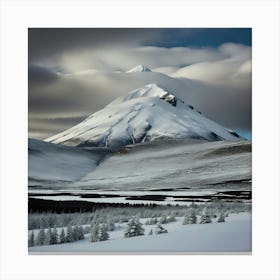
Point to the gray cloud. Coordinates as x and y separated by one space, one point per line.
45 43
39 75
72 75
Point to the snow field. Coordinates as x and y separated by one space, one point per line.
232 236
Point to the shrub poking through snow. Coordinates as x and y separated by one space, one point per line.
151 232
134 228
205 219
190 219
160 229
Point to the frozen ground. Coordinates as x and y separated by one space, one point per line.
232 236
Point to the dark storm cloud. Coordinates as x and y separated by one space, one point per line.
47 42
39 75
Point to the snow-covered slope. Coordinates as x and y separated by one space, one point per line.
50 162
145 114
174 164
139 68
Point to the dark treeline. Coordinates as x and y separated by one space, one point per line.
72 206
117 212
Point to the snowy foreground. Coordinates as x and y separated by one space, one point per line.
234 235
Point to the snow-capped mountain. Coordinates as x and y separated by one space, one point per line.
139 68
145 114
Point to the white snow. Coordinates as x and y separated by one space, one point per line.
179 164
139 68
118 123
47 161
234 235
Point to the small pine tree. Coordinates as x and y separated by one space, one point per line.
31 240
69 234
99 233
134 228
62 236
205 219
94 233
103 234
151 232
40 238
81 233
163 220
48 236
190 219
54 236
221 218
160 229
111 225
76 233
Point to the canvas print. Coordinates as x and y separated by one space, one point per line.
139 140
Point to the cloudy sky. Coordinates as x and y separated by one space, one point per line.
76 72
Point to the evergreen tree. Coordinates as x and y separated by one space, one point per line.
94 233
111 225
160 229
81 233
69 234
163 220
221 218
40 238
62 236
76 233
99 233
205 219
151 232
134 228
54 236
190 218
31 240
103 235
48 236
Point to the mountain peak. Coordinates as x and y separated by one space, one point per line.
139 68
145 114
